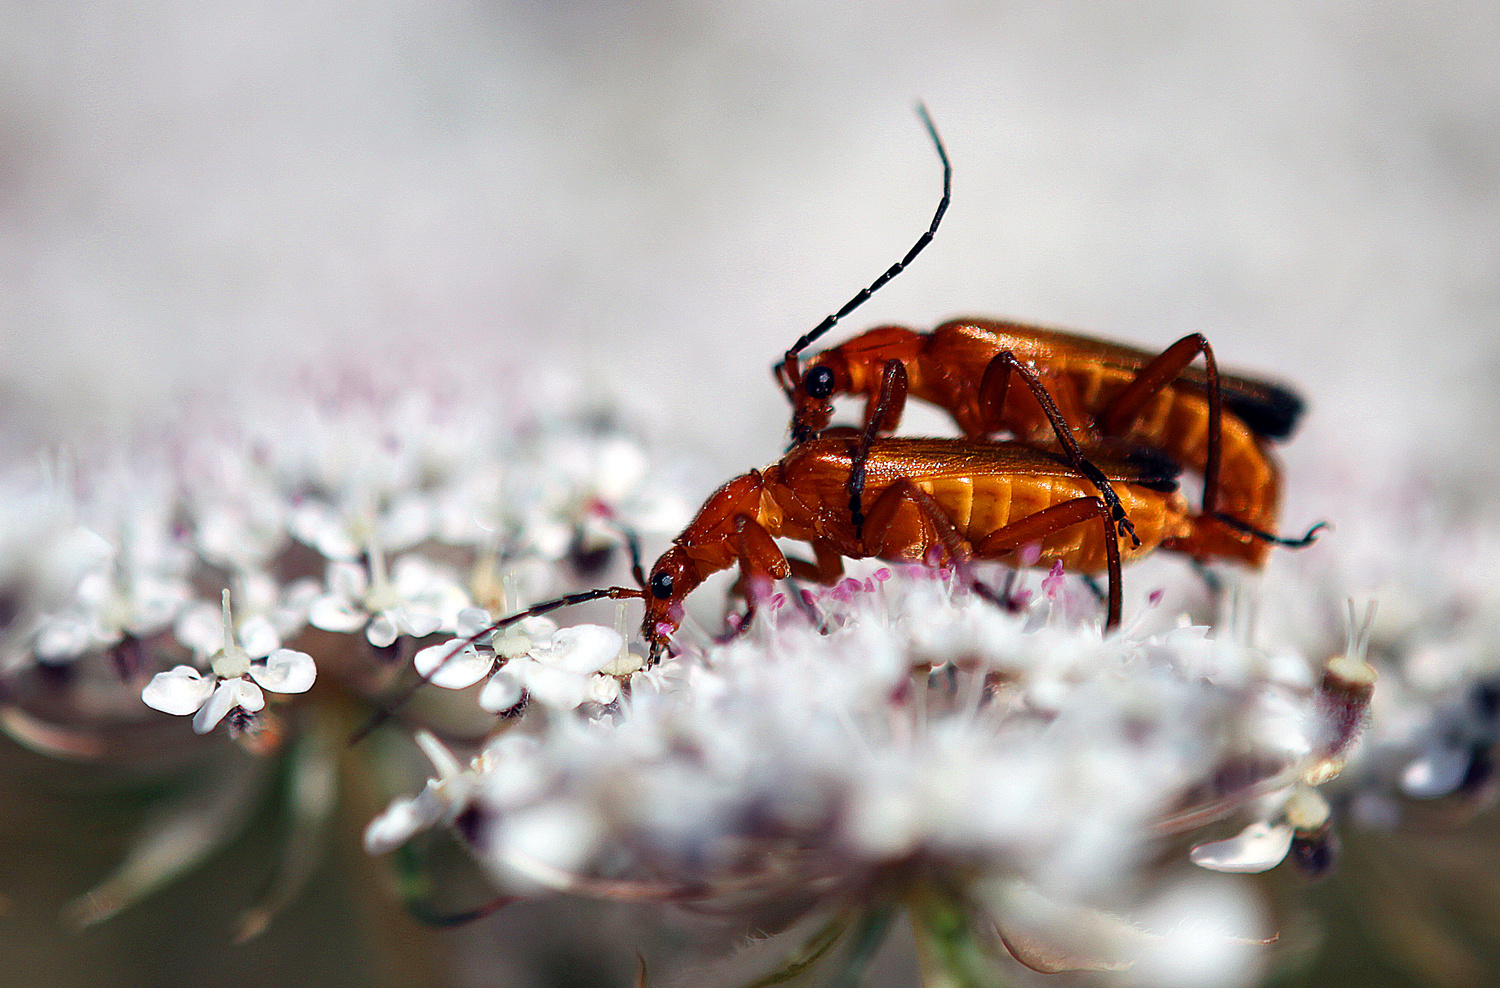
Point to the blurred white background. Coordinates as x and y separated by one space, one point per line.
662 196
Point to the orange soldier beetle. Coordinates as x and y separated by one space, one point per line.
1214 423
962 499
1101 391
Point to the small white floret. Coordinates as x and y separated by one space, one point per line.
1259 847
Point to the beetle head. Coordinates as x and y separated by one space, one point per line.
810 396
672 578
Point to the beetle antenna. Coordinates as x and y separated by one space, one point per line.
895 269
389 710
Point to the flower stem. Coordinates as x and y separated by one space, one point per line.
947 952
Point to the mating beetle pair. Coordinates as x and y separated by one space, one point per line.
1090 476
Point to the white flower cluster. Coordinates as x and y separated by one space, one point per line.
895 742
357 515
917 735
561 668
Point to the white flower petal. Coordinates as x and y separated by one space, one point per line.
472 620
420 624
556 689
444 762
180 691
502 692
547 536
289 613
621 466
257 593
1259 847
412 575
1053 936
334 613
584 648
231 693
513 775
286 671
348 580
559 836
201 628
401 820
247 694
335 541
155 603
538 627
461 671
405 524
383 631
604 690
64 637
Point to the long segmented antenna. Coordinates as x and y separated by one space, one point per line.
388 711
807 339
632 544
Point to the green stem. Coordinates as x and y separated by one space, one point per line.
947 951
864 944
813 951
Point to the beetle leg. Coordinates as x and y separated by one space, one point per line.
827 566
1003 598
993 389
894 536
986 412
761 561
1219 536
1049 521
1270 538
885 408
1162 371
883 413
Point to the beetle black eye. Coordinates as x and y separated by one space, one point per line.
819 383
661 586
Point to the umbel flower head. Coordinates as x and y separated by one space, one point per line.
1015 783
921 749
